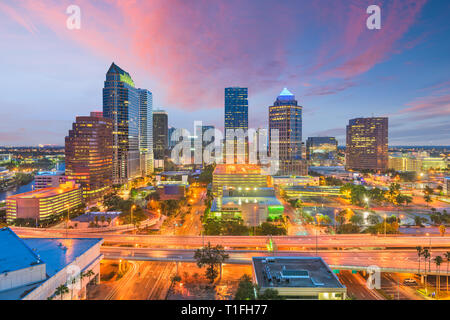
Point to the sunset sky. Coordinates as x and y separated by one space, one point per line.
186 52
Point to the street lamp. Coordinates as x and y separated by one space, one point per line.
366 199
67 220
131 212
385 221
335 211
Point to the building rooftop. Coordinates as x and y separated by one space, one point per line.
90 216
14 253
55 253
59 252
294 272
237 169
46 192
50 173
269 201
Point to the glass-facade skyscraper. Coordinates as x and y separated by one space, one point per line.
121 104
160 134
236 117
146 130
286 116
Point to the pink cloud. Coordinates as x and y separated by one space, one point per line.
192 49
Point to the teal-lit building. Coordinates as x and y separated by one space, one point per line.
121 104
253 205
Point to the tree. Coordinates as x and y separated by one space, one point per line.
442 230
447 260
212 257
438 260
419 254
246 289
426 255
373 219
102 219
269 294
357 219
61 290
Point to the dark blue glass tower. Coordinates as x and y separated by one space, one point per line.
121 104
236 115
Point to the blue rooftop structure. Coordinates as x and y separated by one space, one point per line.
51 255
14 253
59 252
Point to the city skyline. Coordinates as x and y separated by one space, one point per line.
369 72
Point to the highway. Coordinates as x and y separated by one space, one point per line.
387 260
186 241
143 281
357 286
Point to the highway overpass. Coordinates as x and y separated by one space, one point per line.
282 242
404 261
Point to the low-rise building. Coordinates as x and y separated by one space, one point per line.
305 278
43 204
295 181
48 179
433 163
253 205
405 163
32 268
102 219
296 192
237 176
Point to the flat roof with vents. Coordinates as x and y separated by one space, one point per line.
294 272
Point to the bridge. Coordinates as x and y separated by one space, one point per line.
404 261
291 242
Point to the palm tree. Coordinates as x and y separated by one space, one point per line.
447 259
73 281
438 260
89 274
419 254
61 290
426 255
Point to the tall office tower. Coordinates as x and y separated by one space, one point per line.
286 116
171 143
121 104
322 151
367 144
89 155
146 130
236 117
160 134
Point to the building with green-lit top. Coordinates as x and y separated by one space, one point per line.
121 104
253 205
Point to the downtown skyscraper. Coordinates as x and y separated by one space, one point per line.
89 155
236 119
160 134
286 116
121 104
367 144
146 130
